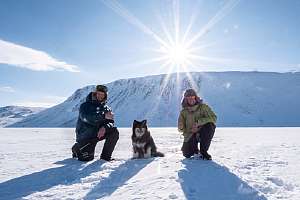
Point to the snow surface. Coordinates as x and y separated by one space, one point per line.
240 99
248 163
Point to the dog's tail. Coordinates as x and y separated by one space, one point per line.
158 154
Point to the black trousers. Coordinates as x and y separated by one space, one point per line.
85 150
204 136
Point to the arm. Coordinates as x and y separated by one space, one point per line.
181 122
109 117
210 116
92 118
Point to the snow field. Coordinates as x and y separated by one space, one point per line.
248 163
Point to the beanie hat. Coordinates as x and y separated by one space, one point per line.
101 88
190 92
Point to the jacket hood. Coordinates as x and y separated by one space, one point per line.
185 104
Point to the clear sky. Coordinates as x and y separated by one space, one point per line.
48 49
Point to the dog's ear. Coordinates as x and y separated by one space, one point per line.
144 122
134 122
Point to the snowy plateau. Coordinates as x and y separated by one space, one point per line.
248 163
240 99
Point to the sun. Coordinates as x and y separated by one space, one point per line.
179 48
176 54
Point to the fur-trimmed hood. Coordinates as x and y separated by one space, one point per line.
185 104
187 93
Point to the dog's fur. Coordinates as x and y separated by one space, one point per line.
142 142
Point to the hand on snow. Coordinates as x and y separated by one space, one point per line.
101 133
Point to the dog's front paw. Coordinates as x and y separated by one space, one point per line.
148 153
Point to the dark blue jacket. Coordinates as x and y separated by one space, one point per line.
91 118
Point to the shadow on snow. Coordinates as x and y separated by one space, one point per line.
71 172
209 180
117 178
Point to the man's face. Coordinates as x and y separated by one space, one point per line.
191 100
100 96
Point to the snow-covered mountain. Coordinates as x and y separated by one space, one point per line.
13 114
238 98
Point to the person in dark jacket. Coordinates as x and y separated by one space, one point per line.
95 123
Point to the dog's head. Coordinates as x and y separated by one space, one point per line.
139 128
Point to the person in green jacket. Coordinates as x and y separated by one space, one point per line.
197 122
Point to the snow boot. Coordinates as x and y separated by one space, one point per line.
108 159
75 149
197 156
206 156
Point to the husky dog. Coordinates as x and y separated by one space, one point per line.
142 142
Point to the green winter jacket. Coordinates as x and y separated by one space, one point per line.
200 114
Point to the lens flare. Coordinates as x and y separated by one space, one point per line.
176 54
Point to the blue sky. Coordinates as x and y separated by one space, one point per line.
48 49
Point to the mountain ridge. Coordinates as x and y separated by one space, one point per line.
12 114
238 98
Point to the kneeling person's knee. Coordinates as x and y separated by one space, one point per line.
85 156
84 151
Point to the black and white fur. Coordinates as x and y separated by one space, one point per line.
142 142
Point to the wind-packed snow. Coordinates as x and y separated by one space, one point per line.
239 99
248 163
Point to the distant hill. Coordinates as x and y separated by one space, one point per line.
238 98
13 114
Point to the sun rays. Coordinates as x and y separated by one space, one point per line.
180 45
177 50
176 54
